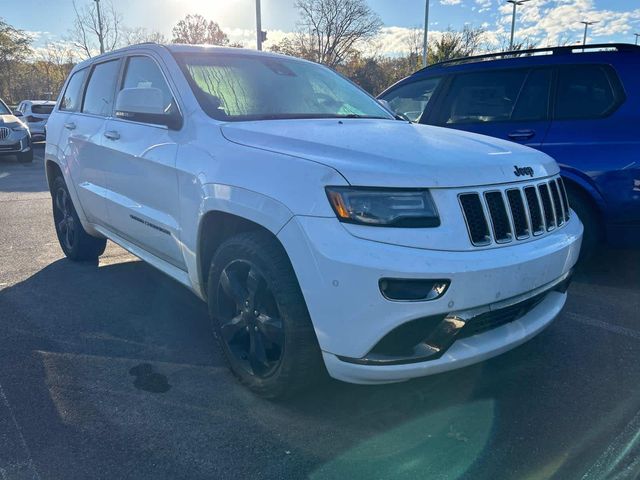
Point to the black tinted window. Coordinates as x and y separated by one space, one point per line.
411 100
149 85
71 99
42 109
483 97
98 98
585 91
533 101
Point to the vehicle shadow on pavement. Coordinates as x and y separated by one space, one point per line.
71 334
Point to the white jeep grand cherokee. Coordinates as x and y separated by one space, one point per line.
322 231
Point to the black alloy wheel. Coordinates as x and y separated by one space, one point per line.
250 320
64 219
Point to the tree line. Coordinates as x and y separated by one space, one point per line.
342 34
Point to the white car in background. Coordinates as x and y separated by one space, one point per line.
35 114
323 232
15 139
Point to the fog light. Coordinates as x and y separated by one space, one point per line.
413 290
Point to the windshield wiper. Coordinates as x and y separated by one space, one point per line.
357 115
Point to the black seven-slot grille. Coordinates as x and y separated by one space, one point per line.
515 213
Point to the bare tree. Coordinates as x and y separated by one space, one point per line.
134 36
54 63
456 44
86 30
195 29
413 43
504 44
331 29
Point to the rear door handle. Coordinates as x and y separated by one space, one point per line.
112 135
70 126
522 134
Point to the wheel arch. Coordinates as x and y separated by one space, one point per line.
215 227
52 170
581 183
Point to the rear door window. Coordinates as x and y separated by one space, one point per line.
533 101
70 101
412 100
586 91
98 98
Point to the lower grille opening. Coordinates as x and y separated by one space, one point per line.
490 320
403 340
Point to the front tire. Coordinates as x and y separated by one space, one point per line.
260 318
76 243
593 232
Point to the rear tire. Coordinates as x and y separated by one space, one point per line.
260 318
26 157
593 233
76 243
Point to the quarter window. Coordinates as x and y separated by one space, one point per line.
411 100
585 91
71 98
98 98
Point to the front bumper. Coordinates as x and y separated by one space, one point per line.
16 142
339 276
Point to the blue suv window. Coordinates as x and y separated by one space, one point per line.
497 96
411 99
586 91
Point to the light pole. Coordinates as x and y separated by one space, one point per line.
586 26
637 35
513 19
100 34
426 33
261 35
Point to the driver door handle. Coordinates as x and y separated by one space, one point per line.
70 126
112 135
522 134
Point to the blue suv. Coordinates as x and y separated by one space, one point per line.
579 105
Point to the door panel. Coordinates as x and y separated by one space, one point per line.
83 154
143 184
143 188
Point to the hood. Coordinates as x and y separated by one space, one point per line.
8 120
392 153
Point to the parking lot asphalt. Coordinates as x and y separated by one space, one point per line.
109 371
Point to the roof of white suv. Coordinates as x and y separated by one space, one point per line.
184 48
40 102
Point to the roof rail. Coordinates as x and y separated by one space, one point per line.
562 50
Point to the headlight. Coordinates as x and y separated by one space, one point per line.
384 207
21 127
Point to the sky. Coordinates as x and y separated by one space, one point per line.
545 22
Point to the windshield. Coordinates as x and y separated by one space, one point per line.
4 110
252 87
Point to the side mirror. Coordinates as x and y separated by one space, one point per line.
145 105
18 113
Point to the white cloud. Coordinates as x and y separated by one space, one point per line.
551 22
450 2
